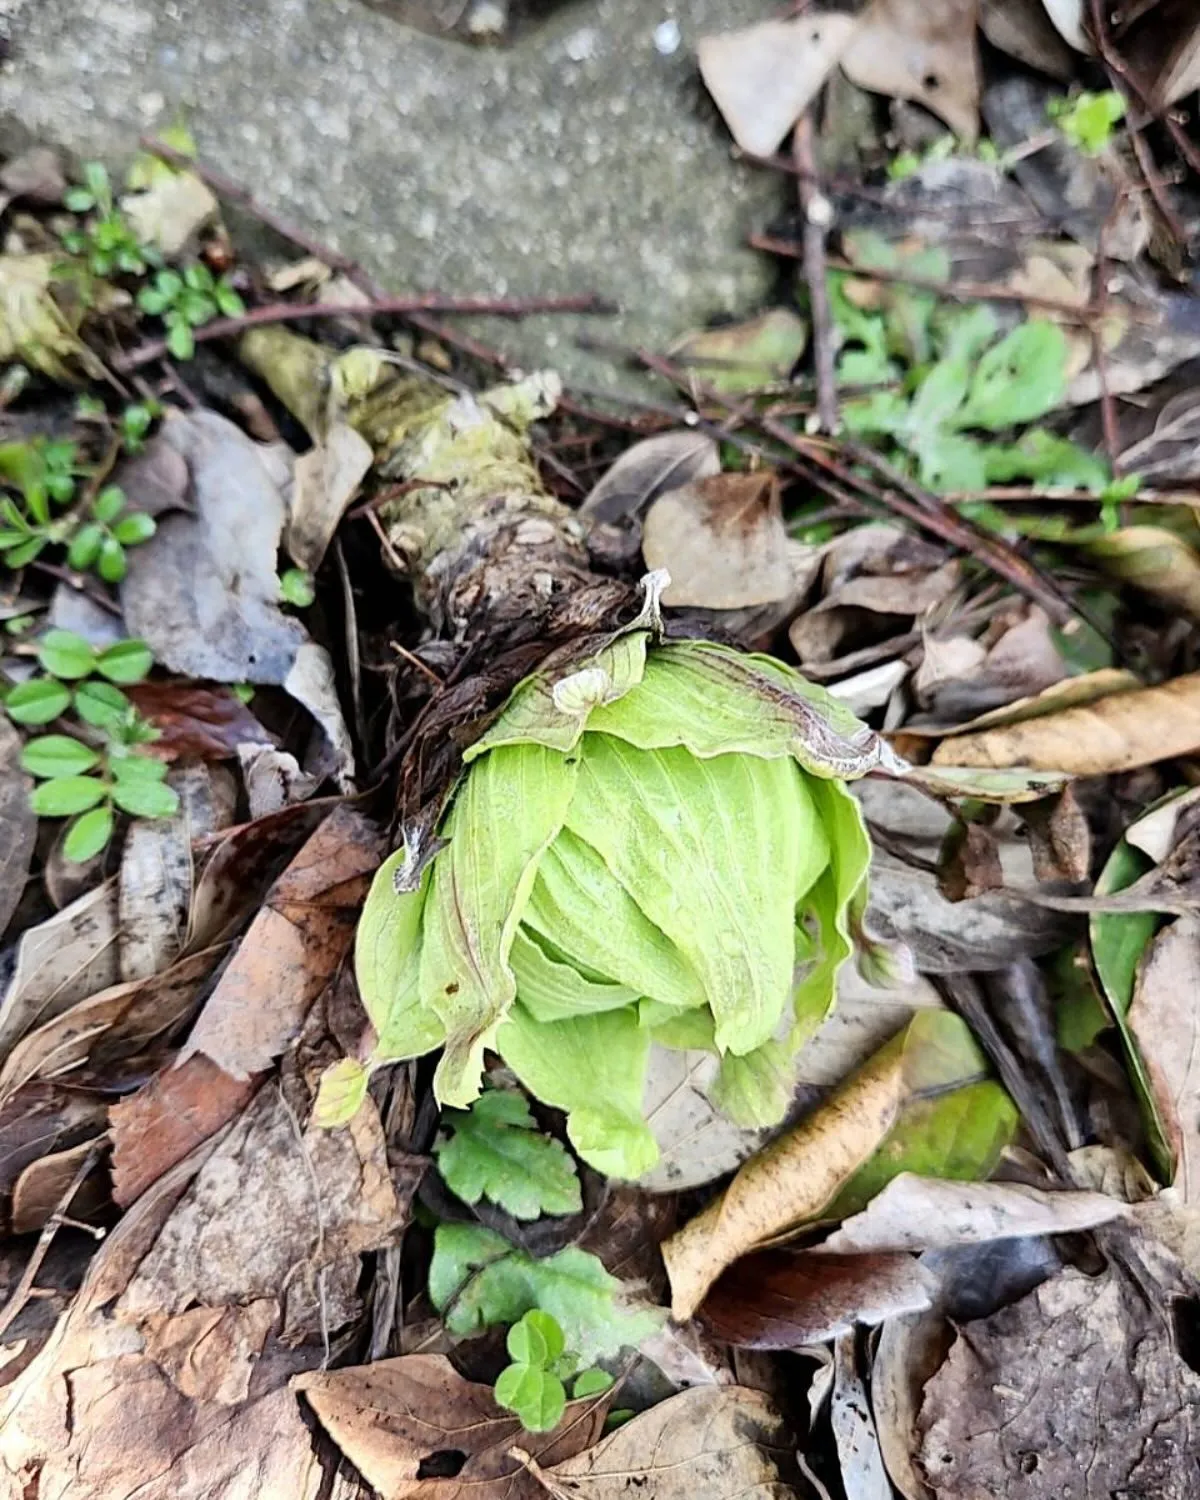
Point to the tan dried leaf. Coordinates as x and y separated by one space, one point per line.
326 479
1165 1020
722 540
210 1352
395 1419
764 77
1156 561
923 50
1115 733
649 469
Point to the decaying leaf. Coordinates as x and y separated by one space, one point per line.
722 540
34 327
764 77
1023 30
171 211
923 50
837 1153
649 469
414 1426
744 356
1081 1366
204 723
292 949
1164 1020
18 823
157 871
723 1442
780 1299
929 1213
64 959
1155 560
326 479
1116 733
859 1457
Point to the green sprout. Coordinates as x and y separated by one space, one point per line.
296 587
1087 119
654 847
106 240
533 1385
135 422
84 781
100 542
186 300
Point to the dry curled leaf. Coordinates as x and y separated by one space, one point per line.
1115 733
1156 561
1165 1021
722 540
326 479
18 823
414 1426
782 1299
923 50
649 469
292 949
195 722
764 77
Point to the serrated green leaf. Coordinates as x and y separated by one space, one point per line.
125 661
146 799
478 1280
537 1397
713 852
509 809
88 834
948 462
535 1340
594 1067
37 702
497 1152
340 1094
65 654
1019 379
66 795
52 755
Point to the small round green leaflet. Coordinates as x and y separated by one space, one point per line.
88 834
64 654
143 798
37 702
125 661
52 755
591 1383
534 1395
536 1339
101 705
66 795
654 846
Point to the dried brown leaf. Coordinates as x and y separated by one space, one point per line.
40 1120
414 1426
44 1188
195 722
167 1119
326 480
1060 838
292 949
1023 30
1165 1020
1116 733
721 1442
273 779
764 77
649 469
18 823
722 540
923 50
62 960
745 356
781 1299
931 1213
1156 561
157 869
209 1352
1081 1366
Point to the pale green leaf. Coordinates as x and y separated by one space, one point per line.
1019 379
744 356
508 810
554 708
53 755
88 834
713 852
1045 458
552 989
477 1279
340 1094
575 906
387 963
594 1068
754 1091
535 1340
497 1152
537 1397
715 701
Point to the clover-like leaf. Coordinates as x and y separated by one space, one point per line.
88 834
65 654
536 1339
37 702
125 661
54 755
66 795
534 1394
497 1152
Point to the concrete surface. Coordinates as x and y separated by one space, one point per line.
586 157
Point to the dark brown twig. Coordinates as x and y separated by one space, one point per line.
296 312
818 213
1120 72
952 291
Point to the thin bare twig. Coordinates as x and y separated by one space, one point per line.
818 213
298 312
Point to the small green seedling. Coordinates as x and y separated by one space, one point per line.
83 781
533 1386
496 1151
100 542
1087 119
296 587
106 241
185 300
135 422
